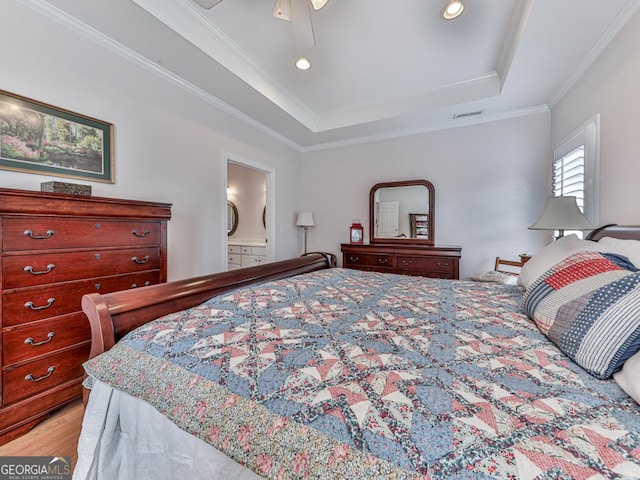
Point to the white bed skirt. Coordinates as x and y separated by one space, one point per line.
126 438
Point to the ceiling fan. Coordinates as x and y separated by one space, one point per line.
295 11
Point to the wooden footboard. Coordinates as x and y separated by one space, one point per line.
113 315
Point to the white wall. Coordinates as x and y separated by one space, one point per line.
610 87
169 145
490 180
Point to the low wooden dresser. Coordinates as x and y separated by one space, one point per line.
55 249
424 260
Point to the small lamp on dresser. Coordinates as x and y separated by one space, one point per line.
305 220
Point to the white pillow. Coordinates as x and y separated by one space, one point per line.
554 253
628 248
629 377
495 277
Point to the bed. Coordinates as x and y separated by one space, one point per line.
298 370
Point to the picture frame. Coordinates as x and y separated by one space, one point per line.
39 138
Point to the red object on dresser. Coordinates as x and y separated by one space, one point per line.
356 233
55 249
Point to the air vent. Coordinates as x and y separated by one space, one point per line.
467 114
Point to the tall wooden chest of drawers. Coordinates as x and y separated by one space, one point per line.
55 249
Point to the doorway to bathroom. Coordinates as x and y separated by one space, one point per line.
249 214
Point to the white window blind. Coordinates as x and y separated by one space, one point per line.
568 176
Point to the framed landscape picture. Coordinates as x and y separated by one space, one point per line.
39 138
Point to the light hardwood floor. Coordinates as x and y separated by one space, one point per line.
57 435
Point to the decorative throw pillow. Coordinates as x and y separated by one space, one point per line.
629 377
628 248
495 277
589 306
554 253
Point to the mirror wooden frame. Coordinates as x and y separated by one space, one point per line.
403 241
234 225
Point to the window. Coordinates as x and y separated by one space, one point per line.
568 176
576 167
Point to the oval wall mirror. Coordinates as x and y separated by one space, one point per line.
402 212
232 218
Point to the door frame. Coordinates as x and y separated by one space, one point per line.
270 197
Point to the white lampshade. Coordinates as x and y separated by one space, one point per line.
562 213
305 219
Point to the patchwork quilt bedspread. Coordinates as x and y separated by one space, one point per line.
359 375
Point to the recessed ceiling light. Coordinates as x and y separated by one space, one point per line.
303 64
453 9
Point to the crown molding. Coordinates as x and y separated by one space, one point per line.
516 30
609 34
431 127
62 18
188 20
448 95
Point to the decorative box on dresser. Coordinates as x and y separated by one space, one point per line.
424 260
55 249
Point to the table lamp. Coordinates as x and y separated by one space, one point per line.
305 220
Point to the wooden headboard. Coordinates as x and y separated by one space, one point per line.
624 232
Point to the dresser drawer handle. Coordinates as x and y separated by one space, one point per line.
140 235
29 269
354 259
29 233
407 262
31 378
383 260
29 341
140 262
443 264
29 304
135 285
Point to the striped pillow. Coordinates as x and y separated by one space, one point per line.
589 306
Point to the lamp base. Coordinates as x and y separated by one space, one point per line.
305 239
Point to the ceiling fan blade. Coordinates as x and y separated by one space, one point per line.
282 9
207 3
302 26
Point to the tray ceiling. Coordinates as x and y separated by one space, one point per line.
380 68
